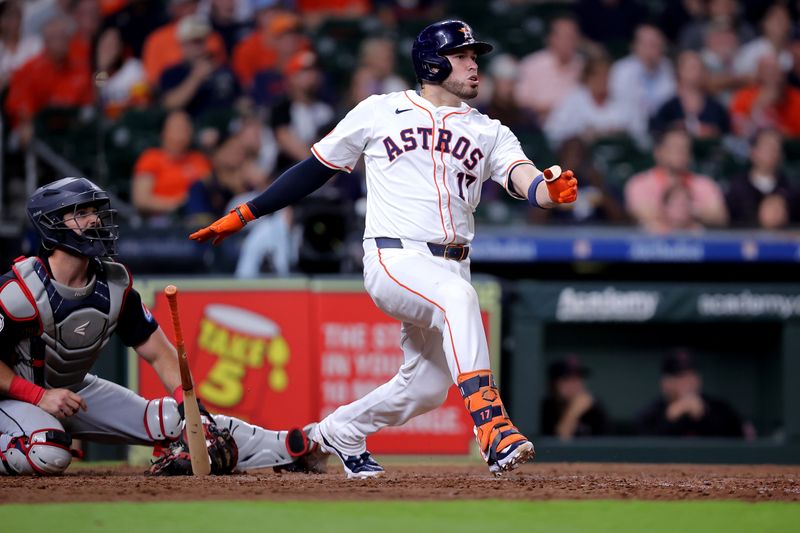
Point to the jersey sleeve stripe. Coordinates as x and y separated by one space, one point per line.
327 163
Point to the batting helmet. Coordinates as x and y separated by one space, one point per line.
435 41
48 205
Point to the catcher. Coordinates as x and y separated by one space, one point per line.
57 312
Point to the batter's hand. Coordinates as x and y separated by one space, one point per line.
61 403
561 186
225 226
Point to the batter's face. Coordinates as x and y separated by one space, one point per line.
463 80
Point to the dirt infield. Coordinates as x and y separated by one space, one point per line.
532 482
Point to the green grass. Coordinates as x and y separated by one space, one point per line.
597 516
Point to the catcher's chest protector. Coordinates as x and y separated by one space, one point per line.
74 331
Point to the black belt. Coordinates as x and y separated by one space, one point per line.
456 252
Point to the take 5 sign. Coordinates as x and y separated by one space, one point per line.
285 357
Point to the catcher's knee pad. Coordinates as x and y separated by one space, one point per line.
162 420
45 452
493 429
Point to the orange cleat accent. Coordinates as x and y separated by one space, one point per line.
493 429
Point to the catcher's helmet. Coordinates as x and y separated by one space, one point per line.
438 39
48 205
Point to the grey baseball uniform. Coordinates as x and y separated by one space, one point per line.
52 334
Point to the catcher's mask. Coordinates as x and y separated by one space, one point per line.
51 204
433 43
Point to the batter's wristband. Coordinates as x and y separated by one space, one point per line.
178 394
532 190
23 390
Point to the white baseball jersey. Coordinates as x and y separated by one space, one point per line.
425 164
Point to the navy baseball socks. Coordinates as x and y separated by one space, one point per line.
501 444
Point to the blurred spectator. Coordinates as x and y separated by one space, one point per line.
721 44
609 21
162 176
390 12
794 74
546 76
644 79
233 174
37 13
725 12
136 21
677 207
301 118
776 27
315 12
278 36
589 111
678 14
119 77
51 79
15 50
773 212
683 410
110 7
569 410
692 108
85 14
644 192
769 103
200 83
748 192
163 49
267 239
597 202
375 73
243 10
503 71
259 143
223 17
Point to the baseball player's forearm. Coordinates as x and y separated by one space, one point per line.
162 356
6 376
17 388
528 180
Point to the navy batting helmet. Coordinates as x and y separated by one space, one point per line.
435 41
49 204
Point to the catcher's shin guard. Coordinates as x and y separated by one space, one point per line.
501 444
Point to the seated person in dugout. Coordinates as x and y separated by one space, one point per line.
570 410
683 410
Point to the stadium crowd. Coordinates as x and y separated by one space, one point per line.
676 115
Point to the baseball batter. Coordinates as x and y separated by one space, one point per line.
57 311
427 154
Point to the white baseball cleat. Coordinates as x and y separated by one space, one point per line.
512 457
361 466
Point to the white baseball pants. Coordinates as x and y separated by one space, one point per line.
441 337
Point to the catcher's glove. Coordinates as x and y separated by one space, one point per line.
222 451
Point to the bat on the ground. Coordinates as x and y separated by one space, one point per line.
195 436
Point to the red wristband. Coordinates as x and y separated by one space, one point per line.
178 394
23 390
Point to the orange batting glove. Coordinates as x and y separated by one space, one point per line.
225 226
561 186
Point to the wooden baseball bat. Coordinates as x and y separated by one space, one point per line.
195 436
